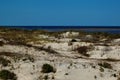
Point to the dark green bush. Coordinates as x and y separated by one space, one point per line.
47 68
7 75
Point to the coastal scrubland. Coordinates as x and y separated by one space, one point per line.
63 55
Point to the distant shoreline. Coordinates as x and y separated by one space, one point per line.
109 29
64 27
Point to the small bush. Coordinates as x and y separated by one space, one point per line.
118 78
105 65
7 75
95 77
31 59
66 73
101 69
4 62
1 43
46 77
83 50
114 75
47 68
73 40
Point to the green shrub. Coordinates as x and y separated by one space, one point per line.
83 50
47 68
4 62
7 75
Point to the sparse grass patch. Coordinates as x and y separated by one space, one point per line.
28 57
10 54
4 61
17 56
105 65
49 49
111 59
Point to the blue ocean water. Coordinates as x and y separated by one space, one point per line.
109 29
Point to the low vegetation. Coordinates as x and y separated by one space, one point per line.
7 75
118 78
73 40
111 59
28 57
105 65
47 68
4 62
46 77
16 56
1 43
101 69
83 50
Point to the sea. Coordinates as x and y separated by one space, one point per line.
108 29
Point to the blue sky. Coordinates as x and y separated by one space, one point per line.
60 12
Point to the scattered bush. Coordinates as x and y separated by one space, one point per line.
83 50
1 43
47 68
53 77
7 75
105 65
46 77
101 69
118 78
28 58
95 77
4 62
114 75
31 59
73 40
93 66
66 73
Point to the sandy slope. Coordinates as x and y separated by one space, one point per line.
69 64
